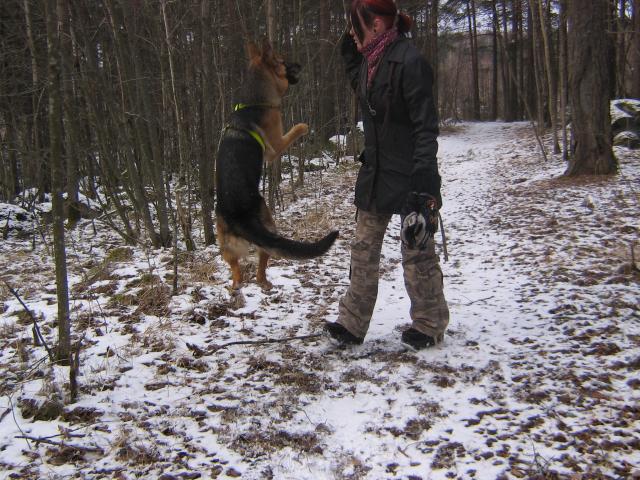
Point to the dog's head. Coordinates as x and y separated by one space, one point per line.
273 65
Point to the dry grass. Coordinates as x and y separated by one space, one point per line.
357 375
446 455
103 270
263 442
200 270
303 382
64 455
159 337
133 450
9 330
119 254
154 300
311 223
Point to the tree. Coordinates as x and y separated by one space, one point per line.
635 51
53 9
551 86
493 113
591 150
473 41
206 103
431 34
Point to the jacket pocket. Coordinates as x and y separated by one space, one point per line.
398 165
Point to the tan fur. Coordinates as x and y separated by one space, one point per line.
235 248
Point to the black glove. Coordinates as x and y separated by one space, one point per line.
419 220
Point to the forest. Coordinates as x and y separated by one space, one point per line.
126 355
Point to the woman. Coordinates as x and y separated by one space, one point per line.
399 172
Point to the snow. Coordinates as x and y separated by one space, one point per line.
624 108
537 376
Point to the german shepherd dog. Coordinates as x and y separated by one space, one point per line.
253 136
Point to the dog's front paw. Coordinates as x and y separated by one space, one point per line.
302 128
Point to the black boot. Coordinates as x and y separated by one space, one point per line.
341 334
418 340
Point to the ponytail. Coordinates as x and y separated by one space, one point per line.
403 22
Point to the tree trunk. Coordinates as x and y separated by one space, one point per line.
635 51
70 117
9 177
562 68
432 44
473 43
541 91
621 51
589 80
327 99
63 353
510 65
275 169
271 21
553 109
205 164
494 61
43 172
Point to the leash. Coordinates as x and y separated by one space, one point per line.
444 238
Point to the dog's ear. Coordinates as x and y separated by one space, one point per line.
267 51
253 52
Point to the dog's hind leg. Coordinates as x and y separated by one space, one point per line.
261 273
263 257
236 272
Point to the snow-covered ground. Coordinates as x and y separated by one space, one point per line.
537 377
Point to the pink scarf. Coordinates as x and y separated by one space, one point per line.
374 51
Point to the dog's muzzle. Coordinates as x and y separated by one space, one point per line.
293 70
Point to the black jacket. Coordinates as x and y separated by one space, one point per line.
400 126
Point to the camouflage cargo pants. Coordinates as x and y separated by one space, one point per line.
422 278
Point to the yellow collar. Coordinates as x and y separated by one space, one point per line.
242 106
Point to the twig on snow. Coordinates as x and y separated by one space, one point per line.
4 414
36 329
15 420
216 348
478 300
46 440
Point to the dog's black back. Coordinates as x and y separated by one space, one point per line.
239 168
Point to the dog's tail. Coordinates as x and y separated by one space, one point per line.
253 230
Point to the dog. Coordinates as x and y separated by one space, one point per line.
255 136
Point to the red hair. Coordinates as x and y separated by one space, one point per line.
364 11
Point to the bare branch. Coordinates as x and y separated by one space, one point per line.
36 329
216 348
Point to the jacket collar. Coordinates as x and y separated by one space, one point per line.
396 53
